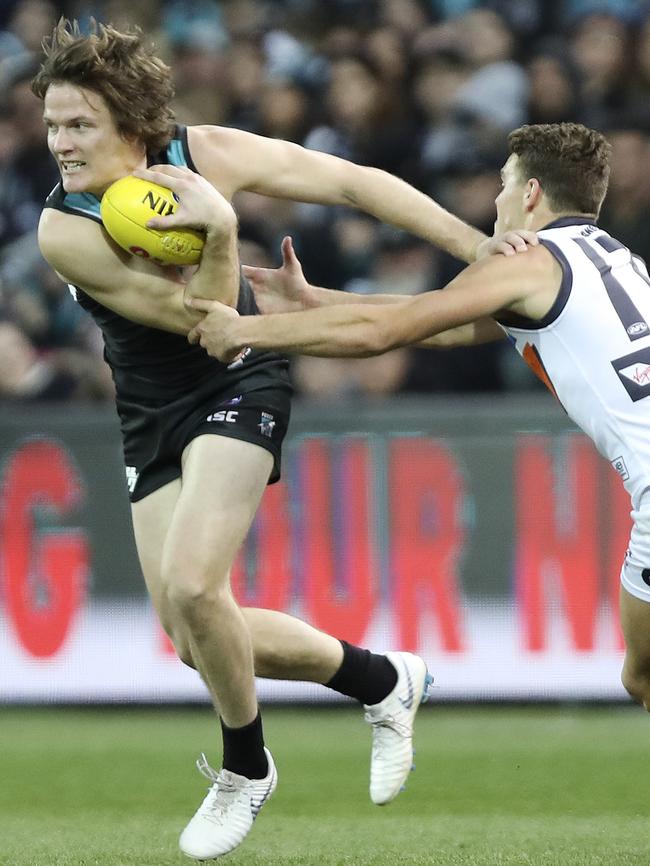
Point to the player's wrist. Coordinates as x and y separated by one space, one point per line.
307 296
221 225
238 334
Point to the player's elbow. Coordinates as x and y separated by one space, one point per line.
354 180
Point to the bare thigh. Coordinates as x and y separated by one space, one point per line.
152 517
222 483
635 622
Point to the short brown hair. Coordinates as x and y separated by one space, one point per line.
136 85
570 161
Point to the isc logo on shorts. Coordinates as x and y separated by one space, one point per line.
224 415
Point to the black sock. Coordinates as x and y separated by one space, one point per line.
363 675
243 750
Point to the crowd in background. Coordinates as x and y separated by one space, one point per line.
425 89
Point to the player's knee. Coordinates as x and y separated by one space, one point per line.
197 598
187 584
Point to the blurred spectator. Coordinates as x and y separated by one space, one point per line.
626 10
284 111
31 21
437 83
600 48
484 37
365 121
388 50
29 173
625 213
37 299
639 90
554 85
197 41
408 17
27 376
342 378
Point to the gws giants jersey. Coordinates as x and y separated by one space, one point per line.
152 367
593 347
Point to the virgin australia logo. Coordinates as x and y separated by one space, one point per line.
637 373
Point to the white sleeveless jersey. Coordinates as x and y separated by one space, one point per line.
593 347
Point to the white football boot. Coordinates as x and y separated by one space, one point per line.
225 817
392 727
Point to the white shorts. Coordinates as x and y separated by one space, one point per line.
633 582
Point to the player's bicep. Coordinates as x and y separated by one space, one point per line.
236 160
131 287
304 175
480 291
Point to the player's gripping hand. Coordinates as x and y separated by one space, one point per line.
508 244
283 289
200 205
215 331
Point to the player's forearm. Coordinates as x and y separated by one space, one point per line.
393 201
338 331
217 277
317 296
466 335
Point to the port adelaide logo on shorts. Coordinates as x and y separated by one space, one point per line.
131 478
266 425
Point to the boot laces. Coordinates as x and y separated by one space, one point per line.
221 793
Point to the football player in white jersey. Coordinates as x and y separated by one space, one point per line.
554 183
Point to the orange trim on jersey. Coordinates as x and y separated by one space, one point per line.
534 360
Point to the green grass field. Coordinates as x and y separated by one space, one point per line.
549 787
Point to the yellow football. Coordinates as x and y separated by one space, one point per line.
125 208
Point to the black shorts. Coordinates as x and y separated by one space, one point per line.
154 437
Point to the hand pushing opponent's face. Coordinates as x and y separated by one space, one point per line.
84 139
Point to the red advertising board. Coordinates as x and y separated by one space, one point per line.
492 550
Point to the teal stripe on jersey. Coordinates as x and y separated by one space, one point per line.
83 201
175 153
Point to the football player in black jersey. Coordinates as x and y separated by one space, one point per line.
198 456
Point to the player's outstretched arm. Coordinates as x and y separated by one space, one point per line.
236 160
523 283
286 289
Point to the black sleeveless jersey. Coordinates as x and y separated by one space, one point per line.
154 367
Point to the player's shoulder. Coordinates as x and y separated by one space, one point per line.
62 234
537 262
223 155
55 221
222 143
212 135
